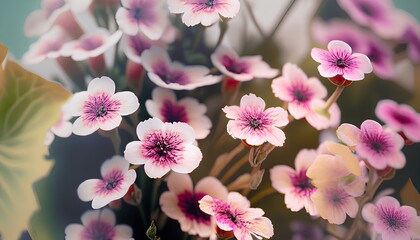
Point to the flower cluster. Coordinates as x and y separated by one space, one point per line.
197 100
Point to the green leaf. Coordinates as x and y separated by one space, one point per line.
29 106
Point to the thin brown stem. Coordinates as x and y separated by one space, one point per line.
262 194
217 168
235 168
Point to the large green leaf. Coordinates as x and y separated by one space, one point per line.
29 106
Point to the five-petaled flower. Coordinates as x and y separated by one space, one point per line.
164 147
99 107
250 121
205 12
98 224
340 64
391 220
181 202
115 182
235 214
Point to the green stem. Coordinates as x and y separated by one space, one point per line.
281 19
223 29
155 191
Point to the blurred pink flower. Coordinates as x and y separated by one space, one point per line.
253 123
320 121
380 147
115 182
141 16
99 107
176 76
235 214
41 20
340 61
164 147
205 12
391 220
399 117
297 90
181 202
241 68
98 224
296 186
165 106
411 35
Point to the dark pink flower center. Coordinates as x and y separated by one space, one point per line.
393 218
138 44
98 230
142 11
234 65
205 5
51 46
163 147
255 119
188 203
337 197
377 142
300 92
168 76
172 112
302 184
367 8
111 182
91 43
100 107
403 119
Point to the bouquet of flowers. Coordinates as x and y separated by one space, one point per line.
162 117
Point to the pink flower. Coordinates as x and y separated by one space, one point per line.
205 12
377 14
241 68
115 182
235 214
320 121
295 88
296 186
381 55
164 147
99 107
98 224
391 220
41 20
181 202
141 16
401 118
176 76
253 123
63 128
165 106
339 61
411 35
48 46
380 147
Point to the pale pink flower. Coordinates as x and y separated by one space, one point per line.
391 220
399 117
63 127
134 46
376 14
381 55
381 147
320 121
241 68
250 121
48 46
411 35
99 107
181 202
205 12
141 16
91 44
339 60
115 182
297 90
165 106
41 20
296 186
164 147
176 76
235 214
98 224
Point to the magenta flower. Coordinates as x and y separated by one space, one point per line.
99 107
165 106
235 214
380 147
205 12
377 14
295 88
296 186
411 35
381 55
164 147
339 61
241 68
115 182
98 224
253 123
135 45
176 76
401 118
181 202
141 16
391 220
